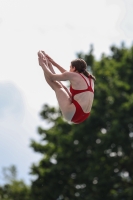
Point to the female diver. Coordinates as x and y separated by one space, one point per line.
75 104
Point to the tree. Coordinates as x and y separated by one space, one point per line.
13 188
9 173
92 160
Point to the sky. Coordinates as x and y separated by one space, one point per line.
61 28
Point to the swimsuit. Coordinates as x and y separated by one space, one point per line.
79 115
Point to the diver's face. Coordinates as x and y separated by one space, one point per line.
72 69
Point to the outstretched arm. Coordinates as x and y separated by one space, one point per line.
52 70
54 77
61 69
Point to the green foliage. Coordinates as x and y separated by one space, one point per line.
89 58
92 160
13 189
9 173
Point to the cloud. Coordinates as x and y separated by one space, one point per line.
11 102
127 23
17 127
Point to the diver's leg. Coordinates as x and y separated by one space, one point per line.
63 98
52 70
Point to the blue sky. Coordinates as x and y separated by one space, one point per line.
61 28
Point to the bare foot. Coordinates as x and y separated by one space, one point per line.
42 59
45 55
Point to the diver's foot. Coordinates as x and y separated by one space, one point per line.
41 59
